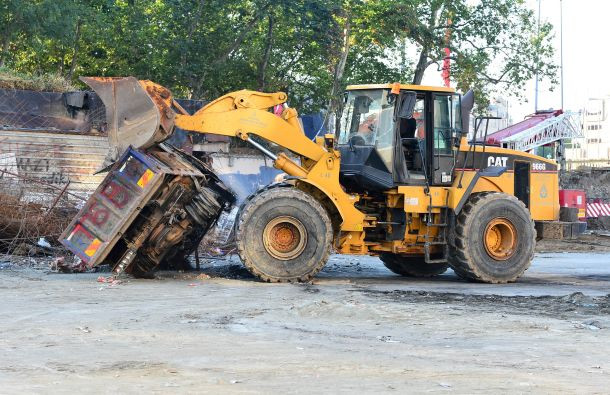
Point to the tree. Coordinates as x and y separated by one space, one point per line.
309 48
495 44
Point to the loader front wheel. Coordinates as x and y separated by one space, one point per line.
494 239
412 266
283 235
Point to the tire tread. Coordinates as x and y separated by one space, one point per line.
460 260
263 197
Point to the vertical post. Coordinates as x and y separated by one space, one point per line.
536 93
561 148
561 46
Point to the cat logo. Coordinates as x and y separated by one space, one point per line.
497 161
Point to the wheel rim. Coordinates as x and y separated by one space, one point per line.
500 239
284 238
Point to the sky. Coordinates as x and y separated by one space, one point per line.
586 56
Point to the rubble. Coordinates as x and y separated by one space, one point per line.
32 217
595 182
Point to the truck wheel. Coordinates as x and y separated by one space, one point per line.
283 235
412 266
494 239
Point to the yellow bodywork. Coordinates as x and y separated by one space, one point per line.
246 113
407 87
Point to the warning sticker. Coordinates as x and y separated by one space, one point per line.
92 248
146 178
412 201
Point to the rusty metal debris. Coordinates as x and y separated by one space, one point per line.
154 206
51 144
32 214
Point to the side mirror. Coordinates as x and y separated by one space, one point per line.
466 107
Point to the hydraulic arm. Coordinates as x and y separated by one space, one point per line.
142 113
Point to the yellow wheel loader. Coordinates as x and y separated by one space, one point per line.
400 180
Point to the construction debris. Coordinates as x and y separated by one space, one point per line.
32 216
595 182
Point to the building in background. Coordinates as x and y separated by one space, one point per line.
593 149
498 107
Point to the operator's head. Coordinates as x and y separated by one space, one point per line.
368 124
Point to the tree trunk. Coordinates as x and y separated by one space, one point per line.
266 55
422 64
192 81
75 50
335 103
5 44
4 50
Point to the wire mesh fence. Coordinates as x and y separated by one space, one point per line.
33 214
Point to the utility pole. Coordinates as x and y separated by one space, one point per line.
536 93
561 46
561 148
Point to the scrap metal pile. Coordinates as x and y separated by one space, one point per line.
33 213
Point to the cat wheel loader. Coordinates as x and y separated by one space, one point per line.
401 180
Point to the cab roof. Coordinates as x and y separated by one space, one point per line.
408 87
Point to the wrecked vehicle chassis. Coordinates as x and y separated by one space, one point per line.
153 207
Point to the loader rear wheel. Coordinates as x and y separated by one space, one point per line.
494 239
283 235
412 266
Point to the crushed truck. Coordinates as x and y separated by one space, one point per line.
156 202
399 180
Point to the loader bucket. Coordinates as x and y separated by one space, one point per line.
132 117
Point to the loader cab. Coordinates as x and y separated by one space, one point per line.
403 138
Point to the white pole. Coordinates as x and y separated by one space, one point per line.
536 94
561 45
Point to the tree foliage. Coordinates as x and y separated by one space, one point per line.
309 48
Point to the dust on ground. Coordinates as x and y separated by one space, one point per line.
356 328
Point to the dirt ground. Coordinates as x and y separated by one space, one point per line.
598 241
356 328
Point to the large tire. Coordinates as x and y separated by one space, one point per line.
494 239
411 266
283 235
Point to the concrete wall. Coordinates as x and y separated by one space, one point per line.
244 174
57 158
53 157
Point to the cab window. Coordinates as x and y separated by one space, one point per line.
419 114
367 118
447 122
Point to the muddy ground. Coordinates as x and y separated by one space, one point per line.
356 328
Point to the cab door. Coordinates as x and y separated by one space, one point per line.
445 123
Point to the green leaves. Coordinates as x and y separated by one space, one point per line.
205 48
